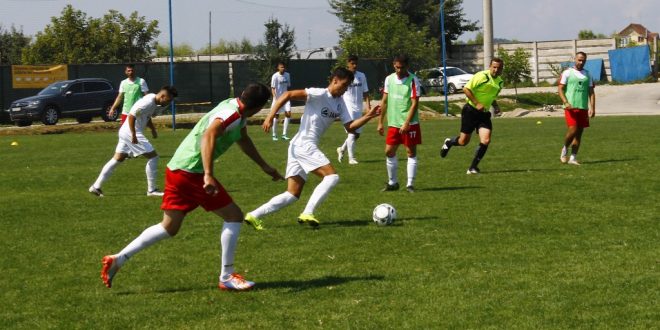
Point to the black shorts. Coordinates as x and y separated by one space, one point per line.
473 119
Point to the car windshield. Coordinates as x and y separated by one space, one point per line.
54 89
455 72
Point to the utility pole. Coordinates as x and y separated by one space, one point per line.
488 32
210 64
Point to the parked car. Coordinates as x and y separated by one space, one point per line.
80 98
432 79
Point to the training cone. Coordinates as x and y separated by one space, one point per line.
14 143
539 122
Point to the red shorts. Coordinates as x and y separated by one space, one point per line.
123 119
184 191
576 117
412 138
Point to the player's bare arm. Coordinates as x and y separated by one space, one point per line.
131 126
470 95
592 102
411 114
208 145
383 110
563 98
367 101
296 95
154 133
118 101
355 124
248 148
496 107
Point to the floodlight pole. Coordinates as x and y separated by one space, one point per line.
172 104
444 55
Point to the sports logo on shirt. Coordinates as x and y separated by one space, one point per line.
325 112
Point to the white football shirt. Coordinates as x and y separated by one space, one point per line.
281 83
142 110
355 92
321 109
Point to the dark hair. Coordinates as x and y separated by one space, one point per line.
130 65
352 58
170 90
281 63
581 53
401 58
255 95
342 73
496 60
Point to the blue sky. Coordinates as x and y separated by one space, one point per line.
315 26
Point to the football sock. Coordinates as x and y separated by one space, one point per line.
228 242
392 167
274 204
148 237
453 142
286 125
564 151
274 128
321 192
107 170
345 144
151 169
479 153
350 144
412 170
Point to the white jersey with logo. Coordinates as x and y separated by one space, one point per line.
355 93
321 109
142 110
281 83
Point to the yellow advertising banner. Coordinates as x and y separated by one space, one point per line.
37 76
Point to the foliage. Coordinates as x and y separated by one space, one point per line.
516 66
12 42
588 34
498 250
278 45
478 39
182 49
244 46
73 37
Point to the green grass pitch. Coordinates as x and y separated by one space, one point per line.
530 243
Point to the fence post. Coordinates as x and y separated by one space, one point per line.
536 63
574 47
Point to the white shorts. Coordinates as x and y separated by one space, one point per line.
304 159
125 146
355 115
286 107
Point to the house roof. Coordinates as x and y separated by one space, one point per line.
640 29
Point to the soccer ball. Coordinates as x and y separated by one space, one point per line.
384 214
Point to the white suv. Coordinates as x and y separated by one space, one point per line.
432 79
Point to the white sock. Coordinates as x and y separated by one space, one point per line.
412 170
148 237
564 151
392 167
274 129
350 145
228 242
274 204
345 144
107 170
573 156
286 125
152 170
321 192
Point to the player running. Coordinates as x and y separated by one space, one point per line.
279 84
133 143
323 106
357 92
190 182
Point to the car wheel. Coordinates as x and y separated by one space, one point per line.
105 114
451 89
50 116
23 123
84 120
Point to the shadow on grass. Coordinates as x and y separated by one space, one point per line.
165 290
526 170
348 223
608 161
297 286
449 188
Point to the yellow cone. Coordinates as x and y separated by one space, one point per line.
14 143
539 122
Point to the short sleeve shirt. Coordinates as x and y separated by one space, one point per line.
321 109
485 88
580 74
281 83
355 93
142 110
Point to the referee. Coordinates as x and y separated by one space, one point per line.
481 92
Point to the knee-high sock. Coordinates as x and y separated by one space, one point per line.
151 169
392 167
148 237
321 192
274 204
453 141
350 144
345 144
274 129
479 153
228 242
107 170
286 125
412 170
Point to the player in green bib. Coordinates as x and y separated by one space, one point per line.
576 89
131 90
481 92
190 182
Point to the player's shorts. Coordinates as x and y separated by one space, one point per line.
285 108
184 191
123 119
303 159
125 146
355 115
473 119
576 117
412 138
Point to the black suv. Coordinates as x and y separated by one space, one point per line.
80 98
